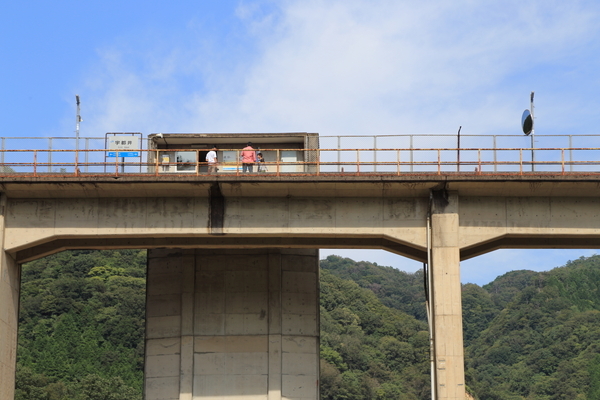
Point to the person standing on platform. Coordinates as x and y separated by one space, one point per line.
211 159
260 163
248 158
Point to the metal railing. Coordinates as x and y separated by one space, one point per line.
329 161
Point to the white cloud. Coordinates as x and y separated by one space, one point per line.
350 67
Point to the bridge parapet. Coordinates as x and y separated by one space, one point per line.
343 155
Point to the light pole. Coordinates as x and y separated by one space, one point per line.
458 150
527 125
77 121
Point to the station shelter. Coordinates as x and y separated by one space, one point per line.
294 152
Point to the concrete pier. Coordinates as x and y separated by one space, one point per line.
449 372
9 319
232 324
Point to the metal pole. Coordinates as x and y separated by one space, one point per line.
339 146
142 153
77 121
375 152
87 153
50 155
571 153
458 151
532 134
411 154
429 307
495 157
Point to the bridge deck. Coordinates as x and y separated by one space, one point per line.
576 184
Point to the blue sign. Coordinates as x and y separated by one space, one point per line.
124 154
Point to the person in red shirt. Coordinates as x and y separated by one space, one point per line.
248 158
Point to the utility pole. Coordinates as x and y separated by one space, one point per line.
77 121
532 133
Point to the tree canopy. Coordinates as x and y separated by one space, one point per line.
528 335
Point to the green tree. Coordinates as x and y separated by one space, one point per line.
594 371
81 313
94 387
29 385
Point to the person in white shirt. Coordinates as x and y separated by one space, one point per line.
211 159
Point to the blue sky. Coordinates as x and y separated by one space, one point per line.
337 67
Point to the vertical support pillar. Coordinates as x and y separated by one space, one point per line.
188 275
446 293
275 334
9 313
232 323
168 351
300 324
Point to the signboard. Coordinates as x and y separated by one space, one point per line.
123 154
230 162
127 144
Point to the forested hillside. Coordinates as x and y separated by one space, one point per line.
394 288
369 351
528 335
81 326
544 342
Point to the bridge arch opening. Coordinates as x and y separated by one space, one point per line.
58 288
502 261
531 327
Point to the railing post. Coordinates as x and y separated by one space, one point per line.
571 152
76 158
50 155
375 153
318 162
35 163
495 159
439 161
412 161
562 157
156 162
87 154
521 161
339 153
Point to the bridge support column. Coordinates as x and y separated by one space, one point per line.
9 314
446 292
228 324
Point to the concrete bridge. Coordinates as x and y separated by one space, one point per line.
232 306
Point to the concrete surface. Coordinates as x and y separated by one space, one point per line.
223 215
232 324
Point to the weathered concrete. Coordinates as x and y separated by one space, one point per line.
41 226
42 217
232 324
9 313
446 297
